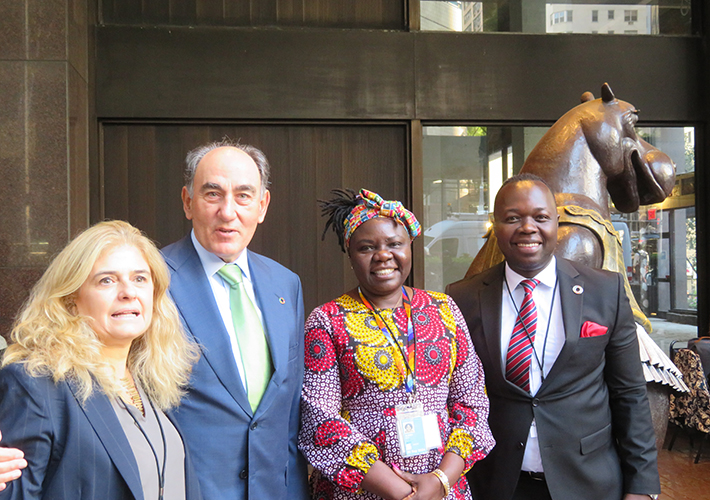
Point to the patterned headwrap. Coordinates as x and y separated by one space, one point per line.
371 205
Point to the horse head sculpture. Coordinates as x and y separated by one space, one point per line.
590 153
594 149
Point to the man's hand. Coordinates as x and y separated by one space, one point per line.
11 463
633 496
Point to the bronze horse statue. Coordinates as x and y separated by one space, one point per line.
590 153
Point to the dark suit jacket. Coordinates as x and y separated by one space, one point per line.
73 452
239 454
593 418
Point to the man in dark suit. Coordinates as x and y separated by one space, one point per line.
241 436
568 406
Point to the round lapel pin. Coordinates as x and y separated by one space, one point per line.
282 301
577 289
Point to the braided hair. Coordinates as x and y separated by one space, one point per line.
337 209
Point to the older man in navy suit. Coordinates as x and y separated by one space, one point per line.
241 415
558 344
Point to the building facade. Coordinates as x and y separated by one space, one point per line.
102 99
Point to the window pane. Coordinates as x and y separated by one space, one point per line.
655 17
464 167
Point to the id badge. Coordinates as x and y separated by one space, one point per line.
418 433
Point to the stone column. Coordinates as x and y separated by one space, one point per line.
44 106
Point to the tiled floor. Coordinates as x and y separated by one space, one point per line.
681 478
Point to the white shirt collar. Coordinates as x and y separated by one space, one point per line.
547 277
211 263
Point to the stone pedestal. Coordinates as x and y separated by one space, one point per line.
659 400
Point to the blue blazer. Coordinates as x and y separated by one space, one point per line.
240 454
73 451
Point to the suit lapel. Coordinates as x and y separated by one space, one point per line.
571 304
193 296
272 302
102 417
490 300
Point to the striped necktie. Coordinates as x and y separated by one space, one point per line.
249 331
520 349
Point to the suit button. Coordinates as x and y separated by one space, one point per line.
535 402
243 474
521 446
253 426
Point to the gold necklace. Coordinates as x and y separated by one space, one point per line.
133 393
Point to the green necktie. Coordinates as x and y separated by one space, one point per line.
250 335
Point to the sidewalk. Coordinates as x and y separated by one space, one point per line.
665 332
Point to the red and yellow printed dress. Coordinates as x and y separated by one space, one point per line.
351 386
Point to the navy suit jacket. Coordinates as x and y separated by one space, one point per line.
73 451
240 454
592 414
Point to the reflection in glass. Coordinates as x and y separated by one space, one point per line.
663 262
640 17
464 167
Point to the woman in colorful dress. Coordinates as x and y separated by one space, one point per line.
393 403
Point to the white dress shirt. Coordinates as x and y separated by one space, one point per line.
547 346
220 289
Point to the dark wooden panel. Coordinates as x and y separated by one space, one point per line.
114 181
171 149
263 13
155 10
237 13
143 189
130 10
416 166
356 74
291 12
371 14
540 77
182 12
197 73
210 12
143 170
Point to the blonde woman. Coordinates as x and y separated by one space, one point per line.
97 355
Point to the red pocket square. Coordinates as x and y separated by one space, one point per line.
592 329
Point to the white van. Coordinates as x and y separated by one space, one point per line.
450 246
457 236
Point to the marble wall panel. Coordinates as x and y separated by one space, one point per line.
12 159
33 150
46 225
46 29
44 145
12 29
78 36
16 286
78 152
